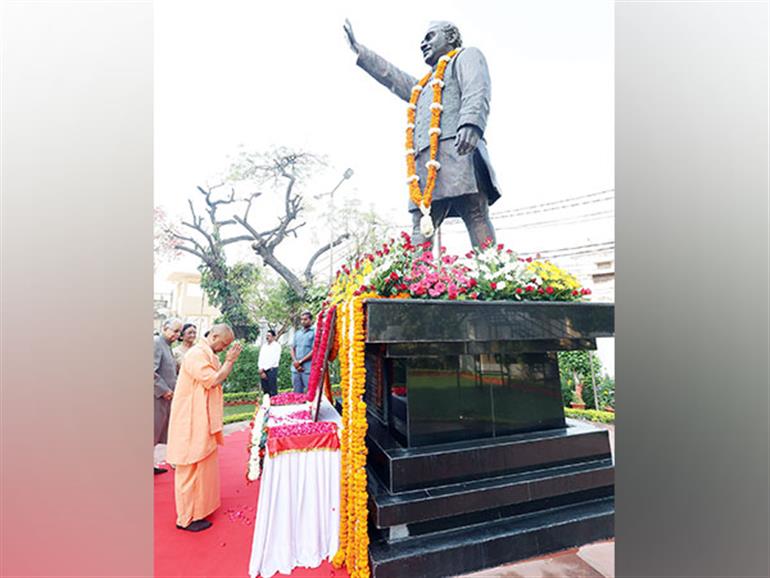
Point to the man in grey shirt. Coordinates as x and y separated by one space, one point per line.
165 379
465 184
302 353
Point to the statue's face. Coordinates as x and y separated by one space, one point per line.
435 45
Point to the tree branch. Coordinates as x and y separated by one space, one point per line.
309 269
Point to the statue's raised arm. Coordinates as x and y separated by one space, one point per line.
448 169
348 28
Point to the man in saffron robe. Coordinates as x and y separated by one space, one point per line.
195 427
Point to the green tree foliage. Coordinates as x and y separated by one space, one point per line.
577 364
245 374
228 288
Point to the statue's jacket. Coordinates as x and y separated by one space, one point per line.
465 100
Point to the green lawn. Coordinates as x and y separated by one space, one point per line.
234 409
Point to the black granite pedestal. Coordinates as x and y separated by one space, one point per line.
471 461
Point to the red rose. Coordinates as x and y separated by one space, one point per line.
493 285
394 276
472 282
519 290
530 288
549 290
540 291
576 292
370 257
500 247
529 259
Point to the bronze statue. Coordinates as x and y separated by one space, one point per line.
465 183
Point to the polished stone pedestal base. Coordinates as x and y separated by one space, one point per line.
448 509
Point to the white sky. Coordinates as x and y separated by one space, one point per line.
259 74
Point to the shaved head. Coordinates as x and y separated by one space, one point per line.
223 329
220 337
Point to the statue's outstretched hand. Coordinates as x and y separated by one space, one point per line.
348 28
467 138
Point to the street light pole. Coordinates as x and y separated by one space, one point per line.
346 175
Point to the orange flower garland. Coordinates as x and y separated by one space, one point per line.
422 198
354 536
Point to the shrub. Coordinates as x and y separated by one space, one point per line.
590 415
236 417
579 362
245 374
248 396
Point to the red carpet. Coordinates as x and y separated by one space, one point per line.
224 549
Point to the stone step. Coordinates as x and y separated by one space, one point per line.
490 544
402 469
488 494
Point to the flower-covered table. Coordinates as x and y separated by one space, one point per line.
298 518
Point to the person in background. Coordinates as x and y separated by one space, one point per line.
195 427
269 360
302 353
165 379
187 340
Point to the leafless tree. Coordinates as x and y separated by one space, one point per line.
284 168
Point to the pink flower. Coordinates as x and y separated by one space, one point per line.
440 287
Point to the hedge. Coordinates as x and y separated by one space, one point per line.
243 396
236 417
590 415
245 374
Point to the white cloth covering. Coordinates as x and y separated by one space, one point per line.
298 516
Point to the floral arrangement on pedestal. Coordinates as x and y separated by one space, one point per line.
403 270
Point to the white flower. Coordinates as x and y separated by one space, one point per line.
434 130
433 163
445 58
411 106
437 81
410 152
413 178
501 285
436 105
416 88
410 125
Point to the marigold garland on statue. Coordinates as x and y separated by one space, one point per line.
422 197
